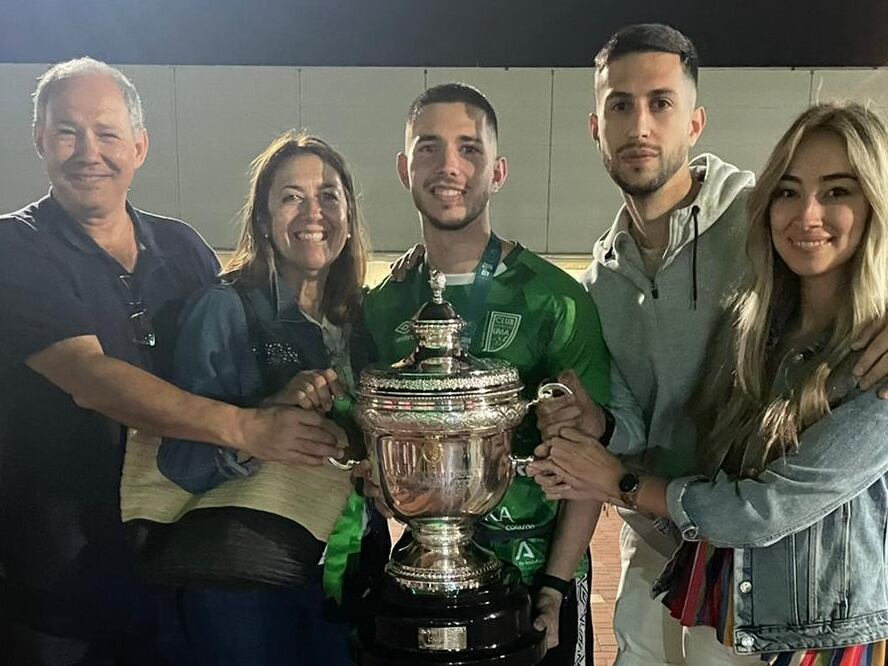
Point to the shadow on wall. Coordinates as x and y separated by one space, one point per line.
380 263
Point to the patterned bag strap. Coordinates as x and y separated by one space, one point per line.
258 337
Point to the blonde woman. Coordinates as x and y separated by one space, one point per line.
785 529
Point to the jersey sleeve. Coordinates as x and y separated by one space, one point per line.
214 359
39 306
371 315
578 343
378 319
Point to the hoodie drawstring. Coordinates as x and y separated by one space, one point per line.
695 210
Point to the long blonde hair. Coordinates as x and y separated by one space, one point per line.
742 424
253 261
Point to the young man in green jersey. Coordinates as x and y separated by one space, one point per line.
520 309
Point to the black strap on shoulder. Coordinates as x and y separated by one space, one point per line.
256 333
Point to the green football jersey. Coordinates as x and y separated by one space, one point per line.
541 321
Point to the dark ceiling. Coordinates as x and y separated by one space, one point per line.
493 33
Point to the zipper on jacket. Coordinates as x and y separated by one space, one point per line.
846 568
654 291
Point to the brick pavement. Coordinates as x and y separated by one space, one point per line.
605 579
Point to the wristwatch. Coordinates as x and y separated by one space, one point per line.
628 485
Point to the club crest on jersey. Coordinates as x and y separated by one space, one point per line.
502 327
403 331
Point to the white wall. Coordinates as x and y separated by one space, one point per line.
207 123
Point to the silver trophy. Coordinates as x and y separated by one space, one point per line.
438 427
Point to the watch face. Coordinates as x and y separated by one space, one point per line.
628 483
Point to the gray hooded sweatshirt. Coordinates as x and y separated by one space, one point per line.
658 330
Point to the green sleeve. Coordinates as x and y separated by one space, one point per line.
375 322
578 343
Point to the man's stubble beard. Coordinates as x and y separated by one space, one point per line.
670 167
457 225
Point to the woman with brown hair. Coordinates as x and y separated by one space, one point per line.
284 326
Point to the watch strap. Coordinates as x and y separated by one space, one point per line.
610 424
556 583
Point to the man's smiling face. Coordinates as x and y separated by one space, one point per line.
450 164
90 149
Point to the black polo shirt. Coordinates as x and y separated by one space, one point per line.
62 548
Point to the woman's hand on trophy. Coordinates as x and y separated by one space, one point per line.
311 389
362 477
576 467
577 411
547 604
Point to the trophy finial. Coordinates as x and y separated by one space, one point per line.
436 328
437 280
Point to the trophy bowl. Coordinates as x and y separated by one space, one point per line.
443 460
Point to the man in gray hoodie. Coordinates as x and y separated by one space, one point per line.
658 276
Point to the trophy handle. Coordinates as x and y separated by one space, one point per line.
346 465
544 392
549 390
520 463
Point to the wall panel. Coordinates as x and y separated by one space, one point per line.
156 187
868 86
224 117
583 199
21 175
362 112
748 110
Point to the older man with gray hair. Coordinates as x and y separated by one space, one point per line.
89 290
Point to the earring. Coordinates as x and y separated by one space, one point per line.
347 236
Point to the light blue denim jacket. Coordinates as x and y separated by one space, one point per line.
810 534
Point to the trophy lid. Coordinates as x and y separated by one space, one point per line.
438 366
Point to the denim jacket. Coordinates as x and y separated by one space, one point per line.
216 357
810 533
240 344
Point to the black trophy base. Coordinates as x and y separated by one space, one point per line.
492 626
